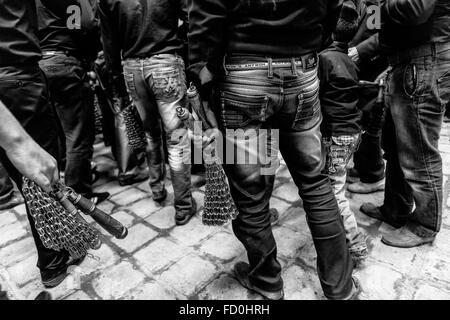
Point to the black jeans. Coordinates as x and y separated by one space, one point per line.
418 91
25 93
74 102
368 158
266 101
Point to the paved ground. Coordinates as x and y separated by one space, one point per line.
161 261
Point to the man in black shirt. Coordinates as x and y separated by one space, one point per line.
260 60
415 35
67 53
146 35
24 92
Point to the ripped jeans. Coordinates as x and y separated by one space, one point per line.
339 151
157 86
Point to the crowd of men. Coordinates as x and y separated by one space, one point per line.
320 73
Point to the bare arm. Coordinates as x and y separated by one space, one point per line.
24 153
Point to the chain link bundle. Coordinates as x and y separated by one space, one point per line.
219 207
134 128
58 228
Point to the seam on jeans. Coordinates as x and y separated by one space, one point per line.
417 106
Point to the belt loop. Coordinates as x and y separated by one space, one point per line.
224 62
270 69
433 50
293 66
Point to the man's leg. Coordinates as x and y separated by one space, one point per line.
167 81
73 99
302 153
27 97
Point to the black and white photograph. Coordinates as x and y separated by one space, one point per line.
236 151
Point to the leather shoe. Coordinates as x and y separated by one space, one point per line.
365 188
405 238
241 273
160 196
182 218
53 277
374 212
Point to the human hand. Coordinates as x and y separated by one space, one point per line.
34 163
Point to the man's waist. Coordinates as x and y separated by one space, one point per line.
406 55
255 62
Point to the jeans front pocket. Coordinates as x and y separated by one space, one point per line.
239 110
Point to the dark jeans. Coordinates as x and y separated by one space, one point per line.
157 86
6 186
416 107
284 100
73 99
25 93
368 158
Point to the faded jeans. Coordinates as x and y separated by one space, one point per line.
283 99
157 86
418 89
338 156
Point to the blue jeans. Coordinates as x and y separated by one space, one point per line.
157 86
281 99
417 93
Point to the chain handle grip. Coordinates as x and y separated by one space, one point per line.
111 225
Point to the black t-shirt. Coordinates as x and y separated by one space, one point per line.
54 33
19 44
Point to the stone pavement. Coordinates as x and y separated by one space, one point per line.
160 261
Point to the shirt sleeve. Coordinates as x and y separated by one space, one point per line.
410 12
112 49
207 35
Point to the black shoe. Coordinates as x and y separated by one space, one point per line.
160 196
53 277
241 273
182 218
375 212
44 295
98 198
130 180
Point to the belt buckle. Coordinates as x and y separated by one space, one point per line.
309 61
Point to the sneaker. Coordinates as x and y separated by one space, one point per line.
241 273
182 218
365 188
53 277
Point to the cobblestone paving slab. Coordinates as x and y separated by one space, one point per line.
159 260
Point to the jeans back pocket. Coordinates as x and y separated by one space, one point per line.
239 110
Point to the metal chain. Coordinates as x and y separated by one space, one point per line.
58 229
219 206
134 128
